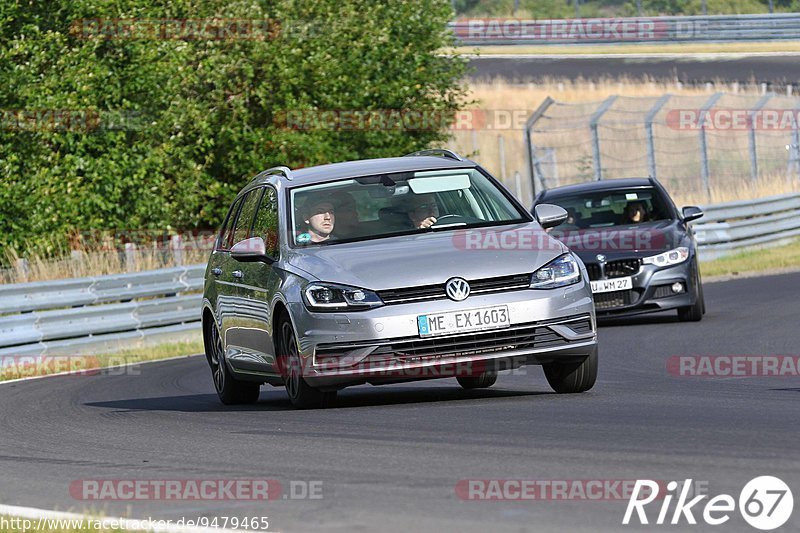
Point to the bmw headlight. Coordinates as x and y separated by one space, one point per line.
320 296
559 272
672 257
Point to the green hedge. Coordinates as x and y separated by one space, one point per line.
165 131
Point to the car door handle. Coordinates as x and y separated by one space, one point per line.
238 274
216 271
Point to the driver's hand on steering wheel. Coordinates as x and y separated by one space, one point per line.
427 223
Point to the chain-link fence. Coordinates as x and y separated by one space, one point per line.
693 144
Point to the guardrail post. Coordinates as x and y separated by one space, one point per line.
648 125
518 185
598 169
704 167
752 132
534 170
130 257
176 243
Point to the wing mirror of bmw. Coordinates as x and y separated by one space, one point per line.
549 215
691 212
252 250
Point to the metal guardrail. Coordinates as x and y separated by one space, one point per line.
734 226
720 28
78 316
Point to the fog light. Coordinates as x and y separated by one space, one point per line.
677 287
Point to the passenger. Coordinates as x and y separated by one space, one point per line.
423 211
635 213
348 225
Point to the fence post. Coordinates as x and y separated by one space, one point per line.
530 150
130 257
598 169
501 148
23 269
176 243
704 167
752 133
518 185
648 125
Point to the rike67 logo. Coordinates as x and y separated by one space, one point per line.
765 503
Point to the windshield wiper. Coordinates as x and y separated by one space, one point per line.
445 226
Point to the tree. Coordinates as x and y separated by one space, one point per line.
161 132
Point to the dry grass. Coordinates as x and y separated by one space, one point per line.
100 259
521 99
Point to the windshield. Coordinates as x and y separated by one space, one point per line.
397 203
611 208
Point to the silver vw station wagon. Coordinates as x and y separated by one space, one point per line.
391 270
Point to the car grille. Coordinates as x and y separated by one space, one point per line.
532 335
437 292
614 269
610 300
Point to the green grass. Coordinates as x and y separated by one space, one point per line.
767 259
29 366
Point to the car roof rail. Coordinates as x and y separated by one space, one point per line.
286 171
437 152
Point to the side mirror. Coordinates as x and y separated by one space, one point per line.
691 212
549 215
252 250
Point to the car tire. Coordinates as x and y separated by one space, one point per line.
694 313
230 390
572 377
483 381
301 394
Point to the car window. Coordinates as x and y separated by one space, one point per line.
377 206
266 223
246 214
623 207
224 242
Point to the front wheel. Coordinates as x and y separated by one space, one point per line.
301 394
230 390
482 381
572 377
694 313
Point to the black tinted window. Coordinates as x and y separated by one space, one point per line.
226 233
266 224
245 220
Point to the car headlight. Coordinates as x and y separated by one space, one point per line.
672 257
559 272
320 296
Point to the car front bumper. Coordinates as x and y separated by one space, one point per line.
384 344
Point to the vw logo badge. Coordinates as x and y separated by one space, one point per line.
601 258
457 289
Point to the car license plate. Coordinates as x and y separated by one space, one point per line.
610 285
463 321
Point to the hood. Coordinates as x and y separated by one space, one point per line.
640 240
430 258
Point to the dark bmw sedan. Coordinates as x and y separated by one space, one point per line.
640 254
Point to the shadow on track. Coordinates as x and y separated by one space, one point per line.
276 399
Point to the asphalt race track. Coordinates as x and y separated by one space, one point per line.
775 70
392 456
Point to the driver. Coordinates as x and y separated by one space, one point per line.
423 211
